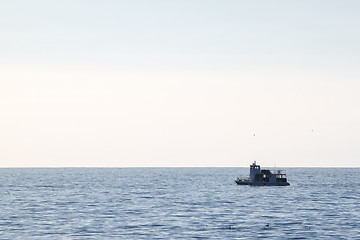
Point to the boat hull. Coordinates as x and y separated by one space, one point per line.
245 182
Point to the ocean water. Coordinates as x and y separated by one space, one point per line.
177 203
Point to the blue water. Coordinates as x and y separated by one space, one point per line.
177 203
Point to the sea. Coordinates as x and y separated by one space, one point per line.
177 203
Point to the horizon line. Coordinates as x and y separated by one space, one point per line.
1 167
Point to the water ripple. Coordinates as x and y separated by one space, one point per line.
200 203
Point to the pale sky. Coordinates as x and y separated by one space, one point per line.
179 83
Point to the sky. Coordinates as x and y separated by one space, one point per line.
198 83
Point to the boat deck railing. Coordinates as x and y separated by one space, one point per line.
278 172
242 178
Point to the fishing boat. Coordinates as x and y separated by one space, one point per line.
258 177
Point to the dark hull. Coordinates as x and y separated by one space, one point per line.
245 182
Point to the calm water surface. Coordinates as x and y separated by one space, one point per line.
177 203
